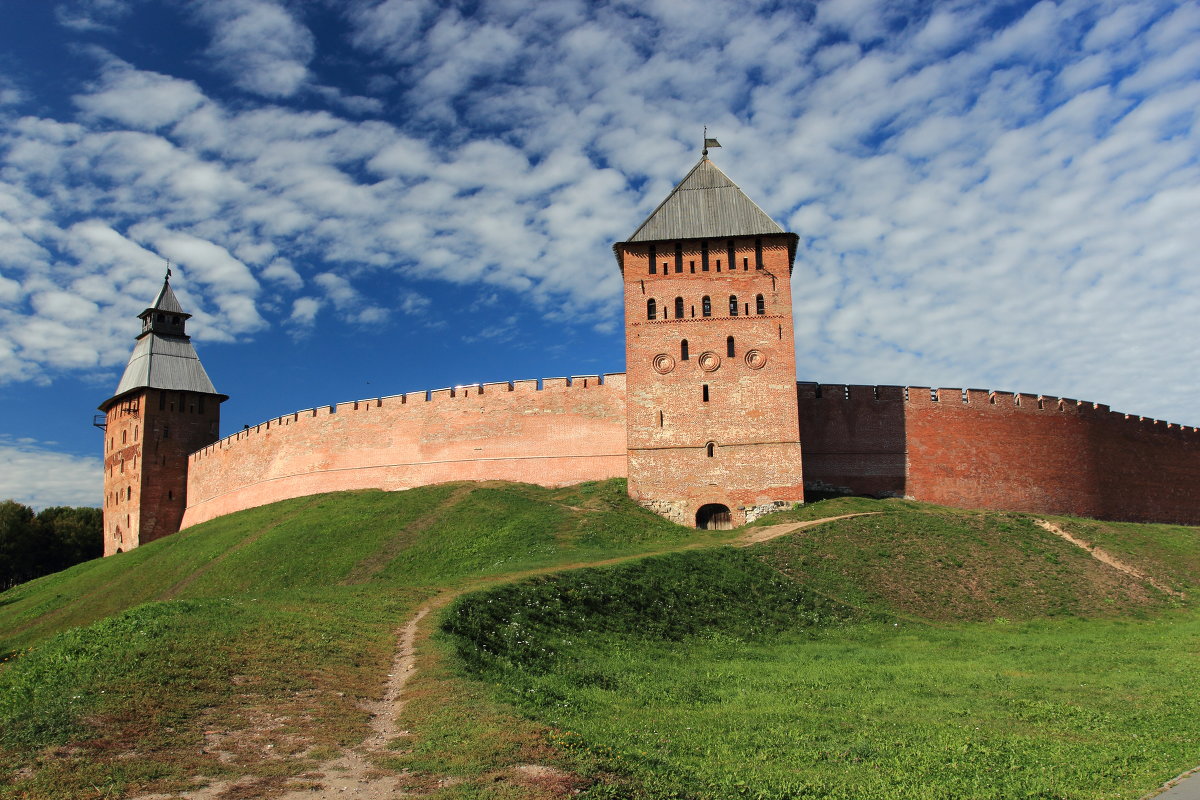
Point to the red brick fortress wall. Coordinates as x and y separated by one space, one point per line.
979 449
853 439
567 431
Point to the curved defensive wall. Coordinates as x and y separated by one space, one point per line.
555 432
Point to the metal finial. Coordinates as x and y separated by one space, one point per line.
167 279
708 142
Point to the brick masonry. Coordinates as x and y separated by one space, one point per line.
967 448
974 448
148 438
711 368
565 431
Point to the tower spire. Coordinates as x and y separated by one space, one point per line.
165 408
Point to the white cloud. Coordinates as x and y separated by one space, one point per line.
260 45
959 188
304 311
35 475
92 15
139 99
349 301
414 303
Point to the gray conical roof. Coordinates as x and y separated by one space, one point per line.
163 357
166 301
165 362
705 205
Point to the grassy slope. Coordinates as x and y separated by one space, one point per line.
266 626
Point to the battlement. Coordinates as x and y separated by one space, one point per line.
925 396
551 432
421 399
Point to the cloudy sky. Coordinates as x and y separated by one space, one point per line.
362 198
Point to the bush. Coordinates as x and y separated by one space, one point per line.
670 597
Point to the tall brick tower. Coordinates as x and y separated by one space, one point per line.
714 436
165 407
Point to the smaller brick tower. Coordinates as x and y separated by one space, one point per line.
714 436
165 408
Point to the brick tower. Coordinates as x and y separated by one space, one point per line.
165 407
714 436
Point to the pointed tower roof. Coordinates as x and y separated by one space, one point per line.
166 301
163 357
705 205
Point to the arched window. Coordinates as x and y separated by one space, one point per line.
710 449
678 308
651 308
729 351
760 305
733 306
653 259
683 350
706 306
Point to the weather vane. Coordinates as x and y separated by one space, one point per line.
708 142
168 270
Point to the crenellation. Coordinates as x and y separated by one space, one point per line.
831 391
856 393
886 393
666 423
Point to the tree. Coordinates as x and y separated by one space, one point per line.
16 543
56 538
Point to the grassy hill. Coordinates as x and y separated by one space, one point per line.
582 643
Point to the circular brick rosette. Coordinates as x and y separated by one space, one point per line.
709 361
663 363
755 359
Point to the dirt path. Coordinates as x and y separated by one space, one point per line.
352 774
1107 558
768 532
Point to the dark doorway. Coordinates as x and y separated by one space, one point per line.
714 517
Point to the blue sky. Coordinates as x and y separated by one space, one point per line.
363 198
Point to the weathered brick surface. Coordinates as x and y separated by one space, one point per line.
853 438
749 417
564 433
147 441
979 449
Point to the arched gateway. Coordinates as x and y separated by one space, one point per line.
714 517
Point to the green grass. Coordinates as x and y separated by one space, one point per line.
661 676
947 565
1048 709
285 612
709 675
